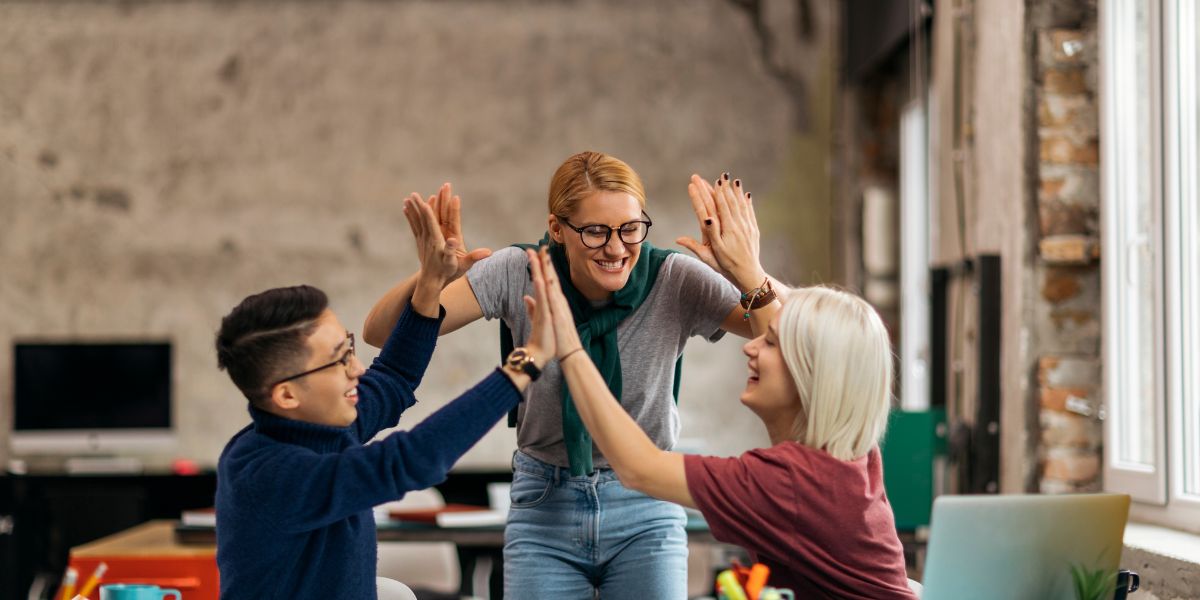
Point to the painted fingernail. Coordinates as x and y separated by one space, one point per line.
737 182
719 182
708 221
725 176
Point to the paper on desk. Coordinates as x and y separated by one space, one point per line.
200 517
472 518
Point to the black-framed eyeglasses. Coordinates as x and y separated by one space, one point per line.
344 361
597 236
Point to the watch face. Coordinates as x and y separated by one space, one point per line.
521 360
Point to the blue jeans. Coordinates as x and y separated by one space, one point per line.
570 536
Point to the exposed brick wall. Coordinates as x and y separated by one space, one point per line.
1068 306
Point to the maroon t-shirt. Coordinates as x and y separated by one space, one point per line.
822 525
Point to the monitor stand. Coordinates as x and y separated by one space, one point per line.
104 465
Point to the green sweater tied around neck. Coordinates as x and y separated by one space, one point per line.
597 327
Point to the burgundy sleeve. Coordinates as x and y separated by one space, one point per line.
749 500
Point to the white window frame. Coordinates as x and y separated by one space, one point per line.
1183 291
1159 490
1119 171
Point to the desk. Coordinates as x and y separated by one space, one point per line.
150 553
405 531
471 544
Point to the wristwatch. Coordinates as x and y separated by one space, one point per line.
521 361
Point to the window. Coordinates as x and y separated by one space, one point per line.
1183 256
1151 213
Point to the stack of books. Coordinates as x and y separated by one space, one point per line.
452 515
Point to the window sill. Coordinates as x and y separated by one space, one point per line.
1167 560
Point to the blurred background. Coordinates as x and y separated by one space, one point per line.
163 160
957 162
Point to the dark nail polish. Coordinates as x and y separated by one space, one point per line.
725 176
737 182
748 194
708 221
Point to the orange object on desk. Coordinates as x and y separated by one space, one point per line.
149 553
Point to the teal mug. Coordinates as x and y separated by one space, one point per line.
136 591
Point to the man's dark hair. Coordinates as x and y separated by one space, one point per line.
263 339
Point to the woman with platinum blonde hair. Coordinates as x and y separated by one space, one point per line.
839 355
812 506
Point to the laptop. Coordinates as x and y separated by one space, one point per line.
1020 546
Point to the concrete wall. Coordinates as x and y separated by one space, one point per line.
1025 148
161 160
1001 165
980 88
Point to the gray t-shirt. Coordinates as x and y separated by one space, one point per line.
688 299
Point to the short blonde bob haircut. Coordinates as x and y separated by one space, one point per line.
589 172
840 356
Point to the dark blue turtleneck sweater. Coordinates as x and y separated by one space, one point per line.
294 499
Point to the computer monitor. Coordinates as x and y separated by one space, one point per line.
92 398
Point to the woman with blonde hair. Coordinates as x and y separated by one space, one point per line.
812 506
573 528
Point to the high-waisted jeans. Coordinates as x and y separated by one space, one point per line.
569 536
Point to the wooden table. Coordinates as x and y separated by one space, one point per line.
405 531
471 544
151 553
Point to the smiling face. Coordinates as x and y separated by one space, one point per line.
598 272
328 396
770 389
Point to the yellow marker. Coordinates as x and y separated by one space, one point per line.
730 588
68 584
94 580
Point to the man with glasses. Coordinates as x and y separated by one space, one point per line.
296 487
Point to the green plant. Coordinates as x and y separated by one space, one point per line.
1093 584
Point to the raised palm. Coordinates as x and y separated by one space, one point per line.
444 215
729 241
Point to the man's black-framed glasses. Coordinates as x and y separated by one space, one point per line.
344 361
597 236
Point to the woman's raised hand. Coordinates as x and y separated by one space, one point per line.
545 280
729 240
447 211
542 340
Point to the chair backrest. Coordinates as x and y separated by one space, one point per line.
427 565
1021 546
390 589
